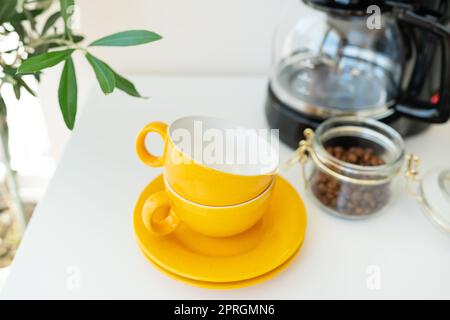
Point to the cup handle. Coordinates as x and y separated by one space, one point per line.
145 156
152 205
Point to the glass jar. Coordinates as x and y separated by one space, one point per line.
354 163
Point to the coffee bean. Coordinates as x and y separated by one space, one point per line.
352 158
348 198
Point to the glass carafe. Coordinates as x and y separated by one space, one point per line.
326 65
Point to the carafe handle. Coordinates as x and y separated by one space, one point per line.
415 108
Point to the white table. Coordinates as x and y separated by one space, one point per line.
80 242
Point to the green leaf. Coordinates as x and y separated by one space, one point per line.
104 74
127 38
9 70
3 110
43 61
126 86
18 27
24 15
17 92
66 13
40 50
7 10
25 85
67 93
31 20
50 22
4 130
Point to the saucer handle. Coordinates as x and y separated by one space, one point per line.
158 216
145 156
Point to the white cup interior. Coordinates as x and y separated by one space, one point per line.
225 146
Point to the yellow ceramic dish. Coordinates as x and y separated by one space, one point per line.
226 285
256 252
164 210
212 180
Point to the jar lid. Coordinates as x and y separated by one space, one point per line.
435 197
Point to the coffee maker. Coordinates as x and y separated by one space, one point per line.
388 60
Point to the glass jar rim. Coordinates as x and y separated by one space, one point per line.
388 138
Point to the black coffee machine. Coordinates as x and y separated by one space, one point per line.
389 60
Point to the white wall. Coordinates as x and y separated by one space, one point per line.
200 37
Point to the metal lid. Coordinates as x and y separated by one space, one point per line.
435 197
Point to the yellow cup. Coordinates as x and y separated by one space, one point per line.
165 210
204 166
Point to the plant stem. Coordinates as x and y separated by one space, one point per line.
11 177
67 43
39 42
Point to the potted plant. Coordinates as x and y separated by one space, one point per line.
41 47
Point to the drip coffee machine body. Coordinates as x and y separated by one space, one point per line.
367 58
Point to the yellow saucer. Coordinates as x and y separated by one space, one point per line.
252 254
226 285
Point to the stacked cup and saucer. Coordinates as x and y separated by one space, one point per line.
219 216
